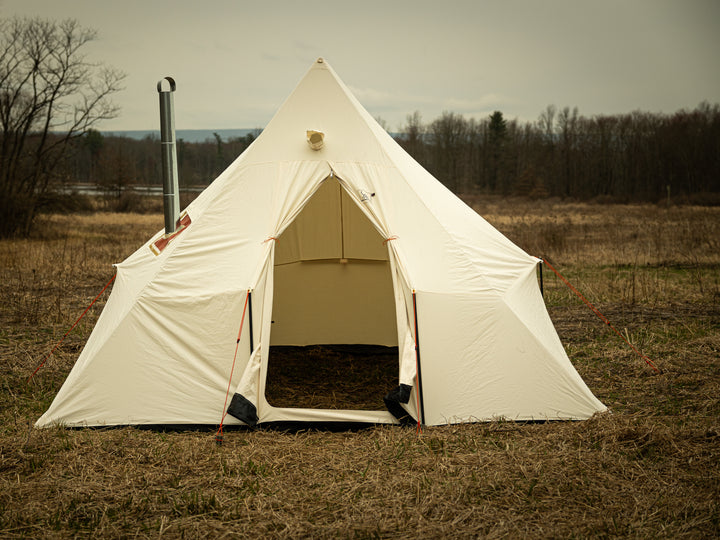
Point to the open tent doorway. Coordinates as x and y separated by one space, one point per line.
333 341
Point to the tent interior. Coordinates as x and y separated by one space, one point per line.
332 289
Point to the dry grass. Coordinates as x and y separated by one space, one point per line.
650 469
338 376
586 234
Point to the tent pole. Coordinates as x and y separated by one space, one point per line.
540 272
342 225
421 412
250 321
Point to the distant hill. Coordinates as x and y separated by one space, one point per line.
188 135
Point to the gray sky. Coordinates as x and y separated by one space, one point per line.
235 62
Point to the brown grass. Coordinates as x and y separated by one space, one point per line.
649 469
331 376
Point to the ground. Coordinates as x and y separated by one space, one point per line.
650 468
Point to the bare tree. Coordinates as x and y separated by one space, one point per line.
448 135
50 94
412 137
567 123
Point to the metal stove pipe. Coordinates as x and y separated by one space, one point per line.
171 191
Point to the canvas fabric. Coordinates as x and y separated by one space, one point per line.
394 251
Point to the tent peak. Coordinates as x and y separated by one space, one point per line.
320 60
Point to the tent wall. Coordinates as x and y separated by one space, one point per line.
328 302
500 369
330 226
185 381
332 276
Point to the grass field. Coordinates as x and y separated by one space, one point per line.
650 469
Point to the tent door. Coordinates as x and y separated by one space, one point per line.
334 330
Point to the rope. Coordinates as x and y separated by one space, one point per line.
219 434
389 239
602 317
71 328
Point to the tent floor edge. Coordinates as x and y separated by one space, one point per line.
332 426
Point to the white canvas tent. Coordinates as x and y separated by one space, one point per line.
353 243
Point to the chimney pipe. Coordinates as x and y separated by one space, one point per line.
171 195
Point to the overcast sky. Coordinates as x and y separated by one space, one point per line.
235 62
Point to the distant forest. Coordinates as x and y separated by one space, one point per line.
635 157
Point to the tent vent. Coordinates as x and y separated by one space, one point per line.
315 139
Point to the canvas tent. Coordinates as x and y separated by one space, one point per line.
351 243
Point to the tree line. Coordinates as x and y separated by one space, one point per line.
635 157
632 157
117 163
